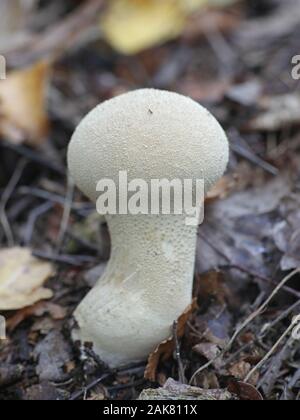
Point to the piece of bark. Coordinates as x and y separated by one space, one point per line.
173 390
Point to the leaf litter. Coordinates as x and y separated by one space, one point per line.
237 343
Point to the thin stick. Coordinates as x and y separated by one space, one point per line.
34 215
269 354
66 215
177 354
5 198
281 317
92 385
253 158
34 156
55 198
75 260
246 323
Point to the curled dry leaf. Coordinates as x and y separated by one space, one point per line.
23 115
21 279
165 349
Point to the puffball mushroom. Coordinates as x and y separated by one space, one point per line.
147 285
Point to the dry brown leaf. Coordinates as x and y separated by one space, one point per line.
212 286
21 279
222 189
165 349
241 369
56 312
244 391
210 351
23 115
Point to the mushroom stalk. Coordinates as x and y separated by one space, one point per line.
147 285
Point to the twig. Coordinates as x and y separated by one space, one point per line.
34 215
181 374
55 198
269 354
264 278
5 198
75 260
34 157
253 158
89 387
246 323
264 305
126 386
281 317
66 214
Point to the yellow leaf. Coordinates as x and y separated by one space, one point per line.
131 26
23 115
21 279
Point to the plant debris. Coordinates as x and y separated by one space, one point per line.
240 338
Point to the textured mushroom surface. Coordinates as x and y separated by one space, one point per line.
150 134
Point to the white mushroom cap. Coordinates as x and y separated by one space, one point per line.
151 134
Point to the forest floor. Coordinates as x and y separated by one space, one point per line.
240 336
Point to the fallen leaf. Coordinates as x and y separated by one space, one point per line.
212 286
241 369
52 354
222 189
165 349
21 279
131 26
214 325
249 220
278 112
210 351
57 312
244 391
23 115
286 234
